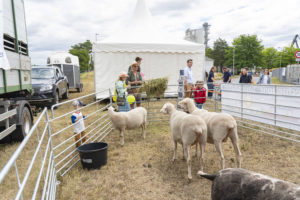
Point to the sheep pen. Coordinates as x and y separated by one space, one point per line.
143 169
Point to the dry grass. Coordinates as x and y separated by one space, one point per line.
275 80
142 169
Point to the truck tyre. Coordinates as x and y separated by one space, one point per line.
26 124
66 94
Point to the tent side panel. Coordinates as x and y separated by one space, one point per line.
154 65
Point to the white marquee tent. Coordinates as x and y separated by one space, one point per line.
162 54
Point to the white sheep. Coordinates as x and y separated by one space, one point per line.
220 126
186 130
128 120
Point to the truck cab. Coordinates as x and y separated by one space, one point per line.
16 116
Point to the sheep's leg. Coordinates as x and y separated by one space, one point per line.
196 152
238 153
202 149
144 130
189 161
219 150
122 137
184 155
175 150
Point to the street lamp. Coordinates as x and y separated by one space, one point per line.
96 36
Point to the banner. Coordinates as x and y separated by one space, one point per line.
3 58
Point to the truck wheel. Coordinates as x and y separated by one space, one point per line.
66 94
26 124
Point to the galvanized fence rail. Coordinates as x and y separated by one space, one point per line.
56 151
38 179
97 127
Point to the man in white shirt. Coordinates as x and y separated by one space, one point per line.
188 79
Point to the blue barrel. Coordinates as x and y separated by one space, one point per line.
93 155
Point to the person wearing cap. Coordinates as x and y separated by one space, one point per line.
226 75
135 81
200 94
78 124
121 91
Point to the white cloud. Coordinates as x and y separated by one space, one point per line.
55 25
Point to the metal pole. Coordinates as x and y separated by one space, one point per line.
110 97
233 60
280 59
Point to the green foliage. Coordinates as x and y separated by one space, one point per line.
82 50
270 57
83 56
218 53
208 52
287 56
85 45
247 52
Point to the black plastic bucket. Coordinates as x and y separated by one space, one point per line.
93 155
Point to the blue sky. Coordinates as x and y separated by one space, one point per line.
55 25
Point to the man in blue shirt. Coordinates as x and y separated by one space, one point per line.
188 79
226 75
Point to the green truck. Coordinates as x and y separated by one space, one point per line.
16 117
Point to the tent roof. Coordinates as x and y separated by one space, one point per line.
140 34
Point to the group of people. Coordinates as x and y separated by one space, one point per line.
127 85
199 92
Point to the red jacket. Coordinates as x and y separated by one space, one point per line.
200 95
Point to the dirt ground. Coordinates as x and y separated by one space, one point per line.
143 169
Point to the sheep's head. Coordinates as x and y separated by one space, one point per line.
111 108
167 108
187 104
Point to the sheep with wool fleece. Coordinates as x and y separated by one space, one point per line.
187 130
220 126
128 120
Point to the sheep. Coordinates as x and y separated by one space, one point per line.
220 126
186 130
236 183
128 120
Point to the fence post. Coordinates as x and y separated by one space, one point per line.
242 100
110 96
275 105
51 147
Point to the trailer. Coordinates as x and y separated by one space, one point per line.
16 117
69 64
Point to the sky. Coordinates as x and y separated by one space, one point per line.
56 25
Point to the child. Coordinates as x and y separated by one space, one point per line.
78 124
200 94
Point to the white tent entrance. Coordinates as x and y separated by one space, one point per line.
162 54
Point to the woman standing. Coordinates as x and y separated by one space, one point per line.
134 79
210 81
123 105
264 78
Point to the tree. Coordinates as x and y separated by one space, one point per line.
287 56
218 53
83 56
208 52
270 57
87 46
247 52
